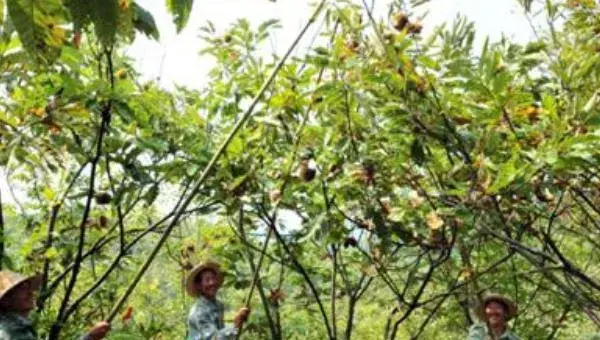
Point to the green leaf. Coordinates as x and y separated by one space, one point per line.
236 147
549 104
506 174
51 254
322 51
80 13
151 195
181 10
1 12
272 23
417 153
49 194
591 103
551 8
125 16
104 14
155 144
417 3
38 24
535 47
429 63
71 57
143 21
237 182
484 50
526 5
315 227
501 81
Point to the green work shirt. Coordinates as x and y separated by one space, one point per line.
16 327
480 332
205 321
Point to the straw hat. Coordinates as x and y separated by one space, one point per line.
10 280
511 306
190 285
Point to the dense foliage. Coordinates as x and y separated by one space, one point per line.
377 185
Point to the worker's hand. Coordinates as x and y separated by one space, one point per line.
241 317
99 331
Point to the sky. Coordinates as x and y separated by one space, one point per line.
181 64
176 59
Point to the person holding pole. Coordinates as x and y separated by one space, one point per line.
205 321
17 301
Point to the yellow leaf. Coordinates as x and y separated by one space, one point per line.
415 199
465 274
121 73
57 35
124 4
55 128
369 270
396 214
434 222
37 111
76 110
487 180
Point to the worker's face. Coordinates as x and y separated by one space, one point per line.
20 299
208 284
495 313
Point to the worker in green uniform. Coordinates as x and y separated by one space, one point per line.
17 301
205 321
492 316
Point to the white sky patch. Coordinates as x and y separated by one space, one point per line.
181 63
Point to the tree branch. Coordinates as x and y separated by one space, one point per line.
210 166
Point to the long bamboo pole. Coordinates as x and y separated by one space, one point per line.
209 167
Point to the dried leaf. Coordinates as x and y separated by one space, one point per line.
433 220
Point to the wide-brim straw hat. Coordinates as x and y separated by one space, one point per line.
10 280
511 306
190 285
